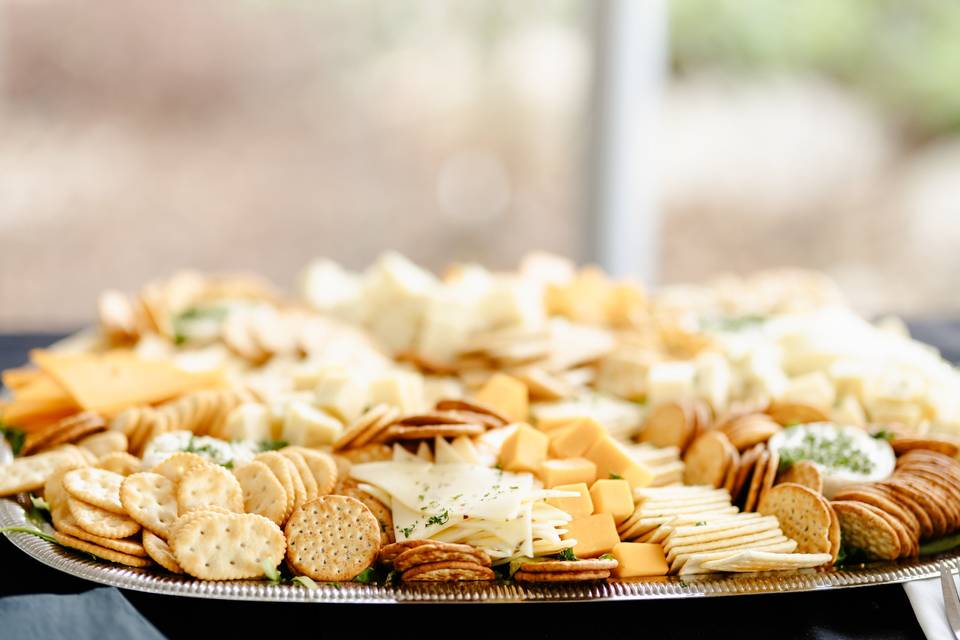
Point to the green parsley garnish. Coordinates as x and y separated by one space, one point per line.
700 523
439 519
366 576
567 554
406 531
939 546
304 581
34 532
615 476
835 453
884 434
731 324
270 572
14 437
271 445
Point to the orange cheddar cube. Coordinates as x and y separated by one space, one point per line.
524 450
595 535
507 395
573 440
638 559
551 424
614 461
567 471
614 497
580 506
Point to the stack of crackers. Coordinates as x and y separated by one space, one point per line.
435 561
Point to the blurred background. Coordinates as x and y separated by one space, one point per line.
138 137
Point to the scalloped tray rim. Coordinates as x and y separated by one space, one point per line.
711 585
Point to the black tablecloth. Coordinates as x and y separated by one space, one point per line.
863 612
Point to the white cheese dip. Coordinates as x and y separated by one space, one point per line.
846 455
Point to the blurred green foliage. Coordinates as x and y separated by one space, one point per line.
903 55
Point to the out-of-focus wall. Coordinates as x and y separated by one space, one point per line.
137 137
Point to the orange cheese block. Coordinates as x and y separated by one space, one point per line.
567 471
637 559
20 377
107 383
613 460
578 506
573 440
614 497
595 535
507 395
40 400
524 450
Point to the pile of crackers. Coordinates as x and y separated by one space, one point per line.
435 561
920 501
699 527
384 424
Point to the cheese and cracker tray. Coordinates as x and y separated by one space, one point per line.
549 432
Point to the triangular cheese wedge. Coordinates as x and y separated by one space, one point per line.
109 382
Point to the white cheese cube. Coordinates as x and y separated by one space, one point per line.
402 389
669 381
341 393
249 421
308 426
813 389
713 379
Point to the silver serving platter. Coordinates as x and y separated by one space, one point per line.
159 581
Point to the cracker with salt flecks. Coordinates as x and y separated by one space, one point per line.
440 552
802 515
561 576
119 462
306 476
748 461
105 554
100 444
207 485
756 481
366 427
323 468
472 406
753 560
129 546
218 546
159 551
946 447
430 431
376 452
100 521
448 572
382 513
707 460
878 498
29 473
806 473
863 529
262 492
906 542
56 495
389 552
151 500
98 487
186 518
332 522
178 464
284 471
595 564
923 518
